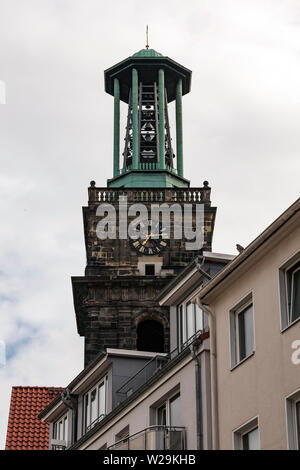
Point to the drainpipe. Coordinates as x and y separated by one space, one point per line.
198 386
67 398
213 365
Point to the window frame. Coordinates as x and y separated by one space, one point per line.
87 408
241 348
64 419
234 331
239 433
182 322
166 404
286 306
292 422
123 434
292 293
247 433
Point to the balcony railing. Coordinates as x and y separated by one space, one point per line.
58 444
153 438
99 418
153 366
142 376
112 195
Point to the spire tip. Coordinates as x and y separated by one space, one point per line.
147 39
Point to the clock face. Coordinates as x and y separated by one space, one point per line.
147 244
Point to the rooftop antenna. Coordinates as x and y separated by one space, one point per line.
147 39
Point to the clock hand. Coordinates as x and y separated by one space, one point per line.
146 239
159 234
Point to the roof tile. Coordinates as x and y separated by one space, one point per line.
25 430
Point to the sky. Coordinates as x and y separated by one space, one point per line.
241 126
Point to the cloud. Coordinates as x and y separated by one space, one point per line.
241 133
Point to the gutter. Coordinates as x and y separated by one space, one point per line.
72 384
198 386
70 401
250 249
213 377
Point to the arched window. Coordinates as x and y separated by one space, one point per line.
150 336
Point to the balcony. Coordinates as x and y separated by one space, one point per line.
153 438
97 420
142 376
56 444
152 195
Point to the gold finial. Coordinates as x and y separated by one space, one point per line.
147 40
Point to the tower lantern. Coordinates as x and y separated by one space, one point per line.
148 81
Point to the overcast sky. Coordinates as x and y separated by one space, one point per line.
241 133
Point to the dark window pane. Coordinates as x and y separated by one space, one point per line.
94 411
245 326
150 269
242 345
86 412
295 295
54 435
162 415
245 442
293 292
150 336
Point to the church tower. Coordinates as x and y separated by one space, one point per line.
148 82
115 301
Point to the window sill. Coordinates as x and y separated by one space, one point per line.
290 325
242 361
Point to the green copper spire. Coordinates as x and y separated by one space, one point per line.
148 81
147 53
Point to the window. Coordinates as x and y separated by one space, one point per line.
60 429
250 440
247 436
122 439
150 336
169 414
95 405
149 269
174 405
241 331
123 434
190 320
293 421
289 276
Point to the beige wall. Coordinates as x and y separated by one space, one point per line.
258 386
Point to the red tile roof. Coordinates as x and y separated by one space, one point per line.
25 431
